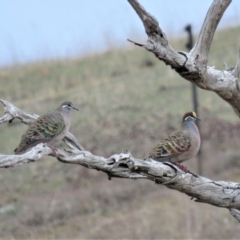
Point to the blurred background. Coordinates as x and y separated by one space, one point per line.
77 50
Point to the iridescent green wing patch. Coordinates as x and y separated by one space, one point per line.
43 129
50 125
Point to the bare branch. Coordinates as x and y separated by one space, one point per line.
11 112
124 165
157 39
213 17
33 155
236 70
226 194
193 65
235 213
204 190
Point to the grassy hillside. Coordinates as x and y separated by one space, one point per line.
127 100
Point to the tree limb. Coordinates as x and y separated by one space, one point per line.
124 165
208 29
236 69
193 65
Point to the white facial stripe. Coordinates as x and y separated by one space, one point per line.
189 117
66 106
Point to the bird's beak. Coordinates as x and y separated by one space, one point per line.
75 108
197 118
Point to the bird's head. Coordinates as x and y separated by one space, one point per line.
190 116
67 106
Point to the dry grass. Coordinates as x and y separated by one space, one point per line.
127 100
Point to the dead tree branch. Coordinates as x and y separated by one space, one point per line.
193 65
124 165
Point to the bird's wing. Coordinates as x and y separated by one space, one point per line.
177 143
47 126
43 129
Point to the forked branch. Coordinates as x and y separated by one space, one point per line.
193 65
213 17
124 165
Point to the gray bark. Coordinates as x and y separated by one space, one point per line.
193 66
124 165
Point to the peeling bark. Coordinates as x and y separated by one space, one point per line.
193 65
124 165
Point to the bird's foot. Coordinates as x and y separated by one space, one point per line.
52 148
182 167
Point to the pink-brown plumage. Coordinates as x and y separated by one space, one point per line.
180 145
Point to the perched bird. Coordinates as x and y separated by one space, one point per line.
48 128
180 145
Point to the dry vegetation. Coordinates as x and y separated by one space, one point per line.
127 100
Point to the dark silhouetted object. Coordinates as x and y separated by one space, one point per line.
189 46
